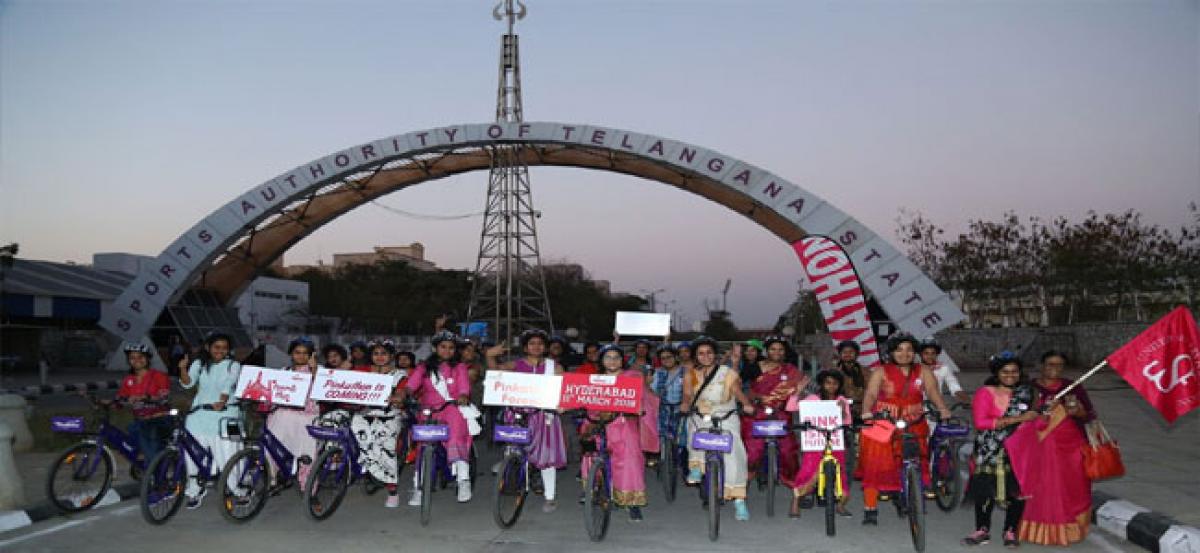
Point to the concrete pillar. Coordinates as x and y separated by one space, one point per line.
12 412
12 491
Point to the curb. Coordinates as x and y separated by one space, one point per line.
31 392
12 520
1138 525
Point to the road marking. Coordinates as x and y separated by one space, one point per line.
1096 539
50 530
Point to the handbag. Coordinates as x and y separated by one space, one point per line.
880 430
1101 455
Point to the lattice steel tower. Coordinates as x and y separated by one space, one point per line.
509 289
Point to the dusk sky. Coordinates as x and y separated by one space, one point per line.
122 123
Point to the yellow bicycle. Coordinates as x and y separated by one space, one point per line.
829 473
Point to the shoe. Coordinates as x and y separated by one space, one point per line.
870 517
694 476
393 501
1010 539
194 502
635 514
582 498
843 512
885 497
740 511
464 491
415 500
549 506
978 537
806 502
496 467
930 494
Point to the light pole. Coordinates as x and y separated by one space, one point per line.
652 293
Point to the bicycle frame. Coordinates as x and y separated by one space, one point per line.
105 434
515 435
715 442
430 432
341 437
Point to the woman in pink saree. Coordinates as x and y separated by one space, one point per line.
624 446
1048 461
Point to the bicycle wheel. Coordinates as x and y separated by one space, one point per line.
830 494
511 491
915 507
79 477
597 504
714 469
327 483
428 475
772 476
668 468
163 486
947 483
247 495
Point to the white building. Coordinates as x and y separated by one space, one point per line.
274 310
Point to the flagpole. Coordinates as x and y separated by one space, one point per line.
1080 380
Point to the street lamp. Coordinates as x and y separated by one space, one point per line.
652 293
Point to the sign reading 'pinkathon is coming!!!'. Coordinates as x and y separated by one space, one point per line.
886 273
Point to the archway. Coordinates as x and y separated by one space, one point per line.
226 249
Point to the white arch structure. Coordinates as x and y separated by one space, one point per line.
230 246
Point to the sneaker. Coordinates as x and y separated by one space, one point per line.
393 501
930 494
194 502
549 506
464 491
415 500
694 476
1010 539
740 511
978 537
870 517
635 514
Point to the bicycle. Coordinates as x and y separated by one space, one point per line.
714 442
513 480
598 501
432 464
910 501
337 467
165 480
79 465
673 453
829 473
250 472
770 430
944 444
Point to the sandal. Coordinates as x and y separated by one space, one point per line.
794 512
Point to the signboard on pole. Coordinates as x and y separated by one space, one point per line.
273 386
635 323
822 414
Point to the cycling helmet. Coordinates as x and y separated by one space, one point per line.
610 347
130 347
301 341
683 345
899 338
643 342
1003 358
556 339
930 342
774 339
387 344
705 340
666 347
528 335
443 336
849 344
358 344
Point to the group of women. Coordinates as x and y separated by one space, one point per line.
1027 447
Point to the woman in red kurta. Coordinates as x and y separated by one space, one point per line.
443 378
900 389
776 381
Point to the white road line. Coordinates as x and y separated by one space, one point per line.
1096 539
43 532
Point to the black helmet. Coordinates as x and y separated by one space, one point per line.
849 344
1003 358
528 335
443 336
705 340
899 338
930 342
301 341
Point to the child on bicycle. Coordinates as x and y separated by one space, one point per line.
626 457
830 387
146 391
215 376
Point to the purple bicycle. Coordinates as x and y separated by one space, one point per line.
245 483
433 469
337 467
166 476
714 442
513 481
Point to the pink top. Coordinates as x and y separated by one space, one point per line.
458 383
988 405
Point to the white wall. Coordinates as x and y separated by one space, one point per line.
268 309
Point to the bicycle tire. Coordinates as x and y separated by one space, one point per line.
257 490
666 467
831 497
714 469
428 475
331 471
915 507
597 503
511 487
772 477
84 453
947 481
166 474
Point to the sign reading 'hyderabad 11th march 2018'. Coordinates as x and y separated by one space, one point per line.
885 270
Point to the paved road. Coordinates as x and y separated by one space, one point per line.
364 524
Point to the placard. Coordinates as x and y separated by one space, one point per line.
357 387
602 392
822 414
273 386
513 389
636 323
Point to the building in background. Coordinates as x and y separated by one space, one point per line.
412 254
273 310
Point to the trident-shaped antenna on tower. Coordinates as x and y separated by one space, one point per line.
509 13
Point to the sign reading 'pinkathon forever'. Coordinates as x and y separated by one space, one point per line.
132 314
